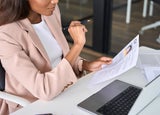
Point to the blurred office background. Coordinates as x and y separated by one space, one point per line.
108 31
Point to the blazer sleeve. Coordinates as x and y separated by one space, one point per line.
20 68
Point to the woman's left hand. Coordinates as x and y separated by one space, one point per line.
96 64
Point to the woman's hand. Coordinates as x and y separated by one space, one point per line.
96 64
77 32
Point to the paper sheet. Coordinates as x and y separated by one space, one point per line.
151 72
149 62
151 59
123 61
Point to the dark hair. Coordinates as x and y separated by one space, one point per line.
13 10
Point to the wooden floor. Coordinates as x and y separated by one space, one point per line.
122 33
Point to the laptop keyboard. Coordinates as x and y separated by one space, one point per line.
122 103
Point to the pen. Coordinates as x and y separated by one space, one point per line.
82 22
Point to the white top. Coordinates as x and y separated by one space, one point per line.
51 46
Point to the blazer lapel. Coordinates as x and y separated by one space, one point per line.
26 25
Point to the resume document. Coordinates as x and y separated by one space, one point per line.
122 62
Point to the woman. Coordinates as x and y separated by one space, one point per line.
35 53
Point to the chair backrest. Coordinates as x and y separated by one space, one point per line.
2 78
10 97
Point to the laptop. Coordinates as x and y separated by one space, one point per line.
121 98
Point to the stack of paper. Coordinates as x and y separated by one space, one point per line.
149 62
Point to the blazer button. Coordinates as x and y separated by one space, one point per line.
71 83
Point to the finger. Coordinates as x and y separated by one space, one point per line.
95 69
85 29
73 23
80 26
78 23
106 60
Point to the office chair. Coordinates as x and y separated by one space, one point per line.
153 25
128 11
6 96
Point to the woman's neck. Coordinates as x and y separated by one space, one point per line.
34 18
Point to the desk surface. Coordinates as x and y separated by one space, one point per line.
66 102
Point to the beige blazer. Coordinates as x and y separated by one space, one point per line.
28 68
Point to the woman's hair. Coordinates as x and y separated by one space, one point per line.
13 10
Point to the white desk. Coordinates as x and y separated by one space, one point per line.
66 102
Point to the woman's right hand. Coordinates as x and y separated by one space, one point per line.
77 32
